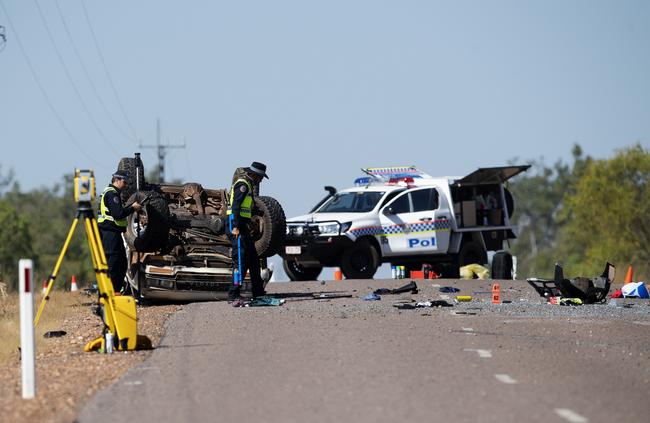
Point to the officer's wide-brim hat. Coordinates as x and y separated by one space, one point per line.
120 174
257 168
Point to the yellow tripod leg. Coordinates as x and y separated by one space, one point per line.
52 277
119 311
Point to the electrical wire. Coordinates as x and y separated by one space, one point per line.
87 74
108 76
72 83
44 92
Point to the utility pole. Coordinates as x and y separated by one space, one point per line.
162 151
3 38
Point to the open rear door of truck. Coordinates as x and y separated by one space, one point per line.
490 175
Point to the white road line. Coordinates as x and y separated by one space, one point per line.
570 415
481 353
505 379
146 368
133 383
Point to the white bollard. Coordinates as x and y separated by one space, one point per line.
27 359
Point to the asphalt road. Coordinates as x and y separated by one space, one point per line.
343 360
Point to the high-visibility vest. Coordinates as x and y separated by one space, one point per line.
246 209
104 212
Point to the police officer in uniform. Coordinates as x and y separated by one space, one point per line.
240 211
111 221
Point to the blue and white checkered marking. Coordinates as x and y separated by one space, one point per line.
408 228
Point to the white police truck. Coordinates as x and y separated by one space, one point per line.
402 216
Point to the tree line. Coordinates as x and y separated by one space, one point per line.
583 214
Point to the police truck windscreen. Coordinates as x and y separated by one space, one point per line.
351 202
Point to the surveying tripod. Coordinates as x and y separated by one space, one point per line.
118 313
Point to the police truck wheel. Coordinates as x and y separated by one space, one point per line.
298 272
269 226
148 229
129 165
470 253
360 261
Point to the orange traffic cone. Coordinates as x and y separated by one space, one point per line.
496 293
338 275
629 278
73 284
44 286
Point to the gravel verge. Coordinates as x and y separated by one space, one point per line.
66 376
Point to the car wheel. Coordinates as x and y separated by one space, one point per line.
297 272
471 252
130 166
147 230
269 226
360 261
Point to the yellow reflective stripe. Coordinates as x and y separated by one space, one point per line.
104 212
246 205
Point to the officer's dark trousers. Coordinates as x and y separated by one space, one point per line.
115 257
250 262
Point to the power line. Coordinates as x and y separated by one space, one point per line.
44 93
87 74
108 76
74 86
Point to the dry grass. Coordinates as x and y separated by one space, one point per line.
56 309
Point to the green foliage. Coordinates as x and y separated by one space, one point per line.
584 215
46 215
539 196
15 242
607 214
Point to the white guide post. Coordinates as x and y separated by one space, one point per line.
27 354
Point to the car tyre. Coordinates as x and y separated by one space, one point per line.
130 166
269 226
360 261
298 272
471 252
153 235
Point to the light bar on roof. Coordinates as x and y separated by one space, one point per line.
396 172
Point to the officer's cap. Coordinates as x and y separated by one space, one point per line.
257 168
120 174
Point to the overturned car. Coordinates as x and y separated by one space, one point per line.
176 244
